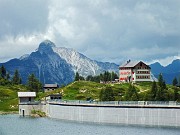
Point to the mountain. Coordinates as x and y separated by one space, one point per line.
83 65
48 66
53 64
169 72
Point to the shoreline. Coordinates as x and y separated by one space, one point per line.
10 112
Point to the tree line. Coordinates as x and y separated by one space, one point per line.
104 77
33 84
158 92
175 82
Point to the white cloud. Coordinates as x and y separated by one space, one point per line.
165 61
105 30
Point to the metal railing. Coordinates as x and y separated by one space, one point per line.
117 103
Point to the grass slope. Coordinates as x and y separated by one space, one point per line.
9 98
82 90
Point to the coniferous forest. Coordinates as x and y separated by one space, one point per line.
33 84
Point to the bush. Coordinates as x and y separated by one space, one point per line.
39 113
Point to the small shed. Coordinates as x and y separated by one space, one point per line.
50 87
25 97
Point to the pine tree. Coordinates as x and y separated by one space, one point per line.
128 93
176 94
164 85
134 96
4 76
2 72
158 95
7 76
153 91
34 84
89 78
107 94
105 76
160 80
81 78
76 77
116 76
175 82
113 76
161 94
101 95
101 77
109 76
111 96
131 94
179 81
16 78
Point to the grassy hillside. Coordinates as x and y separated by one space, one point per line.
80 90
9 98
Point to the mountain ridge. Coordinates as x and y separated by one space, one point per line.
52 64
169 72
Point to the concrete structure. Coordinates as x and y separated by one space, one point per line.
26 109
54 97
134 72
26 96
50 87
125 115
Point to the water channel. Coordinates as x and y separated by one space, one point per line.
15 125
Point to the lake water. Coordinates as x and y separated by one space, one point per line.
15 125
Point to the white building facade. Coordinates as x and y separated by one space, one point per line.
134 72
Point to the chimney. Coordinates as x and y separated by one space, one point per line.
128 61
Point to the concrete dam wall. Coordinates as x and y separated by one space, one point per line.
25 109
125 115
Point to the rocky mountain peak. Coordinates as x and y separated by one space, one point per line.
46 46
53 64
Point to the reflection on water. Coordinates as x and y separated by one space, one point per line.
15 125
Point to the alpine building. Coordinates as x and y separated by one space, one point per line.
132 71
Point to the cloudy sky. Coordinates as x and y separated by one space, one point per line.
104 30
